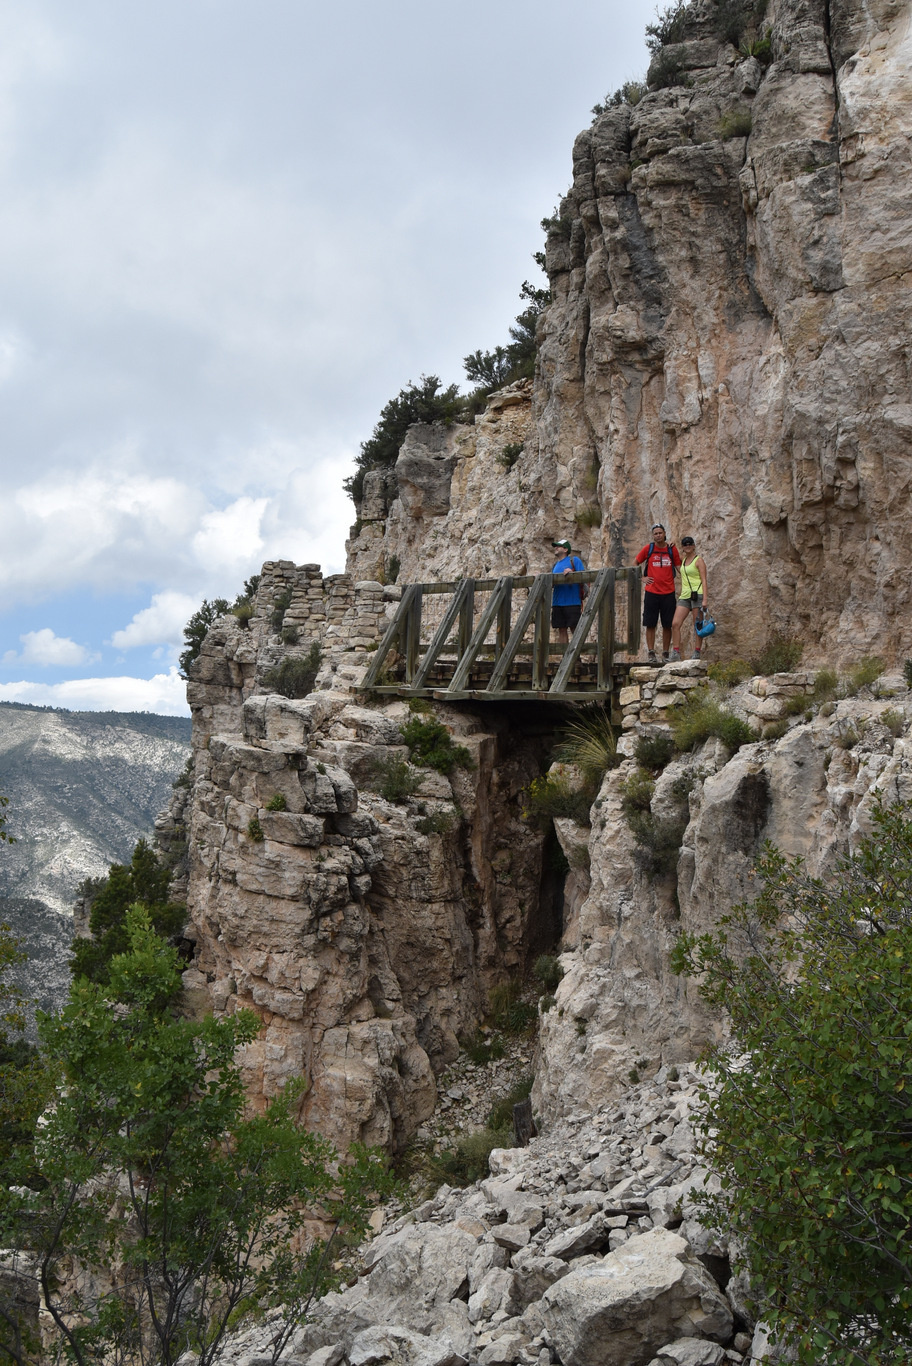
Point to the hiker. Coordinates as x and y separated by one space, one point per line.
566 598
692 597
661 562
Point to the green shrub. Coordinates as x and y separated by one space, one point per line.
774 730
847 735
196 629
510 454
431 745
658 840
894 721
589 742
548 971
296 675
545 1003
552 796
780 655
631 92
255 830
395 779
500 1116
437 823
794 706
280 606
654 751
467 1160
761 48
243 611
509 1012
277 802
289 635
666 70
701 716
668 26
730 674
481 1050
145 880
826 682
866 672
637 792
589 517
737 124
393 565
907 673
814 977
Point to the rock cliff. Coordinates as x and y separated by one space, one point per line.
727 348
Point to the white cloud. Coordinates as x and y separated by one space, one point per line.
230 540
48 650
161 623
165 694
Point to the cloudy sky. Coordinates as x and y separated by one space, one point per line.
231 230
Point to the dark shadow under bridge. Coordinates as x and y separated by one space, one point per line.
491 639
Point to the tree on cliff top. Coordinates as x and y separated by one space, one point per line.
808 1119
180 1207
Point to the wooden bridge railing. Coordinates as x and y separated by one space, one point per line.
491 638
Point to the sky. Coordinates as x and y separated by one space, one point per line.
231 231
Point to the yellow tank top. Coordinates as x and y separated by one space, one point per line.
690 579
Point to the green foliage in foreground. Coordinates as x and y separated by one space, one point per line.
296 675
431 745
149 1163
145 880
812 1124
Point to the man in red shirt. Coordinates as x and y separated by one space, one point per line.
659 598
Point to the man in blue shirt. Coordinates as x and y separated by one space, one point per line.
566 598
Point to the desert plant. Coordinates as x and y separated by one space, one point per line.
637 791
826 682
481 1050
631 92
243 611
847 735
733 672
794 706
552 796
500 1115
510 454
277 802
658 840
296 675
894 721
255 830
866 672
437 823
395 779
393 565
589 742
431 745
546 1003
737 124
666 70
780 655
289 635
509 1012
467 1160
774 730
547 970
668 26
654 751
701 716
280 606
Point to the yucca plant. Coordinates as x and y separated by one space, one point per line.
590 743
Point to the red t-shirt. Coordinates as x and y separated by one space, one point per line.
660 568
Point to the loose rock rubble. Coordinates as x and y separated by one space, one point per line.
583 1249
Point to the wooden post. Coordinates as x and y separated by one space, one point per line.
492 609
634 609
456 607
413 635
396 631
504 614
541 645
606 631
541 589
466 616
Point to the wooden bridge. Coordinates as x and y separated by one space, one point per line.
491 639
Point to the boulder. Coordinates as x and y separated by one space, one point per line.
621 1310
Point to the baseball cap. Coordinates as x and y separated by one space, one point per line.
564 544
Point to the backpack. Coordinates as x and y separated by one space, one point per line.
671 548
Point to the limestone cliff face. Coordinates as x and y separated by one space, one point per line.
365 932
727 349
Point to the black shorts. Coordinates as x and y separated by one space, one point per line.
566 618
657 605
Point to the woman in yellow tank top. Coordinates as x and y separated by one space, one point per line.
693 595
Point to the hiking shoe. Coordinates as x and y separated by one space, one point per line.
664 656
674 657
651 657
696 655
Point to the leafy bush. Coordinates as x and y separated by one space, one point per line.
794 706
781 655
510 454
826 682
431 745
289 635
423 402
894 721
631 92
907 673
658 839
730 674
393 565
866 672
589 742
548 971
815 977
280 606
500 1115
637 792
701 716
243 611
552 796
481 1050
774 730
737 124
437 823
467 1160
666 70
277 802
255 830
395 779
296 675
653 751
668 27
196 629
732 19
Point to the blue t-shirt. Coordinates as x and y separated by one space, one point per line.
567 594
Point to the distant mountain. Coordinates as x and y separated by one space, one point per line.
83 787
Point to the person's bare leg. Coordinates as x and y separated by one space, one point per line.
679 616
666 639
563 636
651 639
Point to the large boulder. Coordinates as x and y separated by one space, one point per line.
621 1310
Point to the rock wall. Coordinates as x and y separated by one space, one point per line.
727 350
365 932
